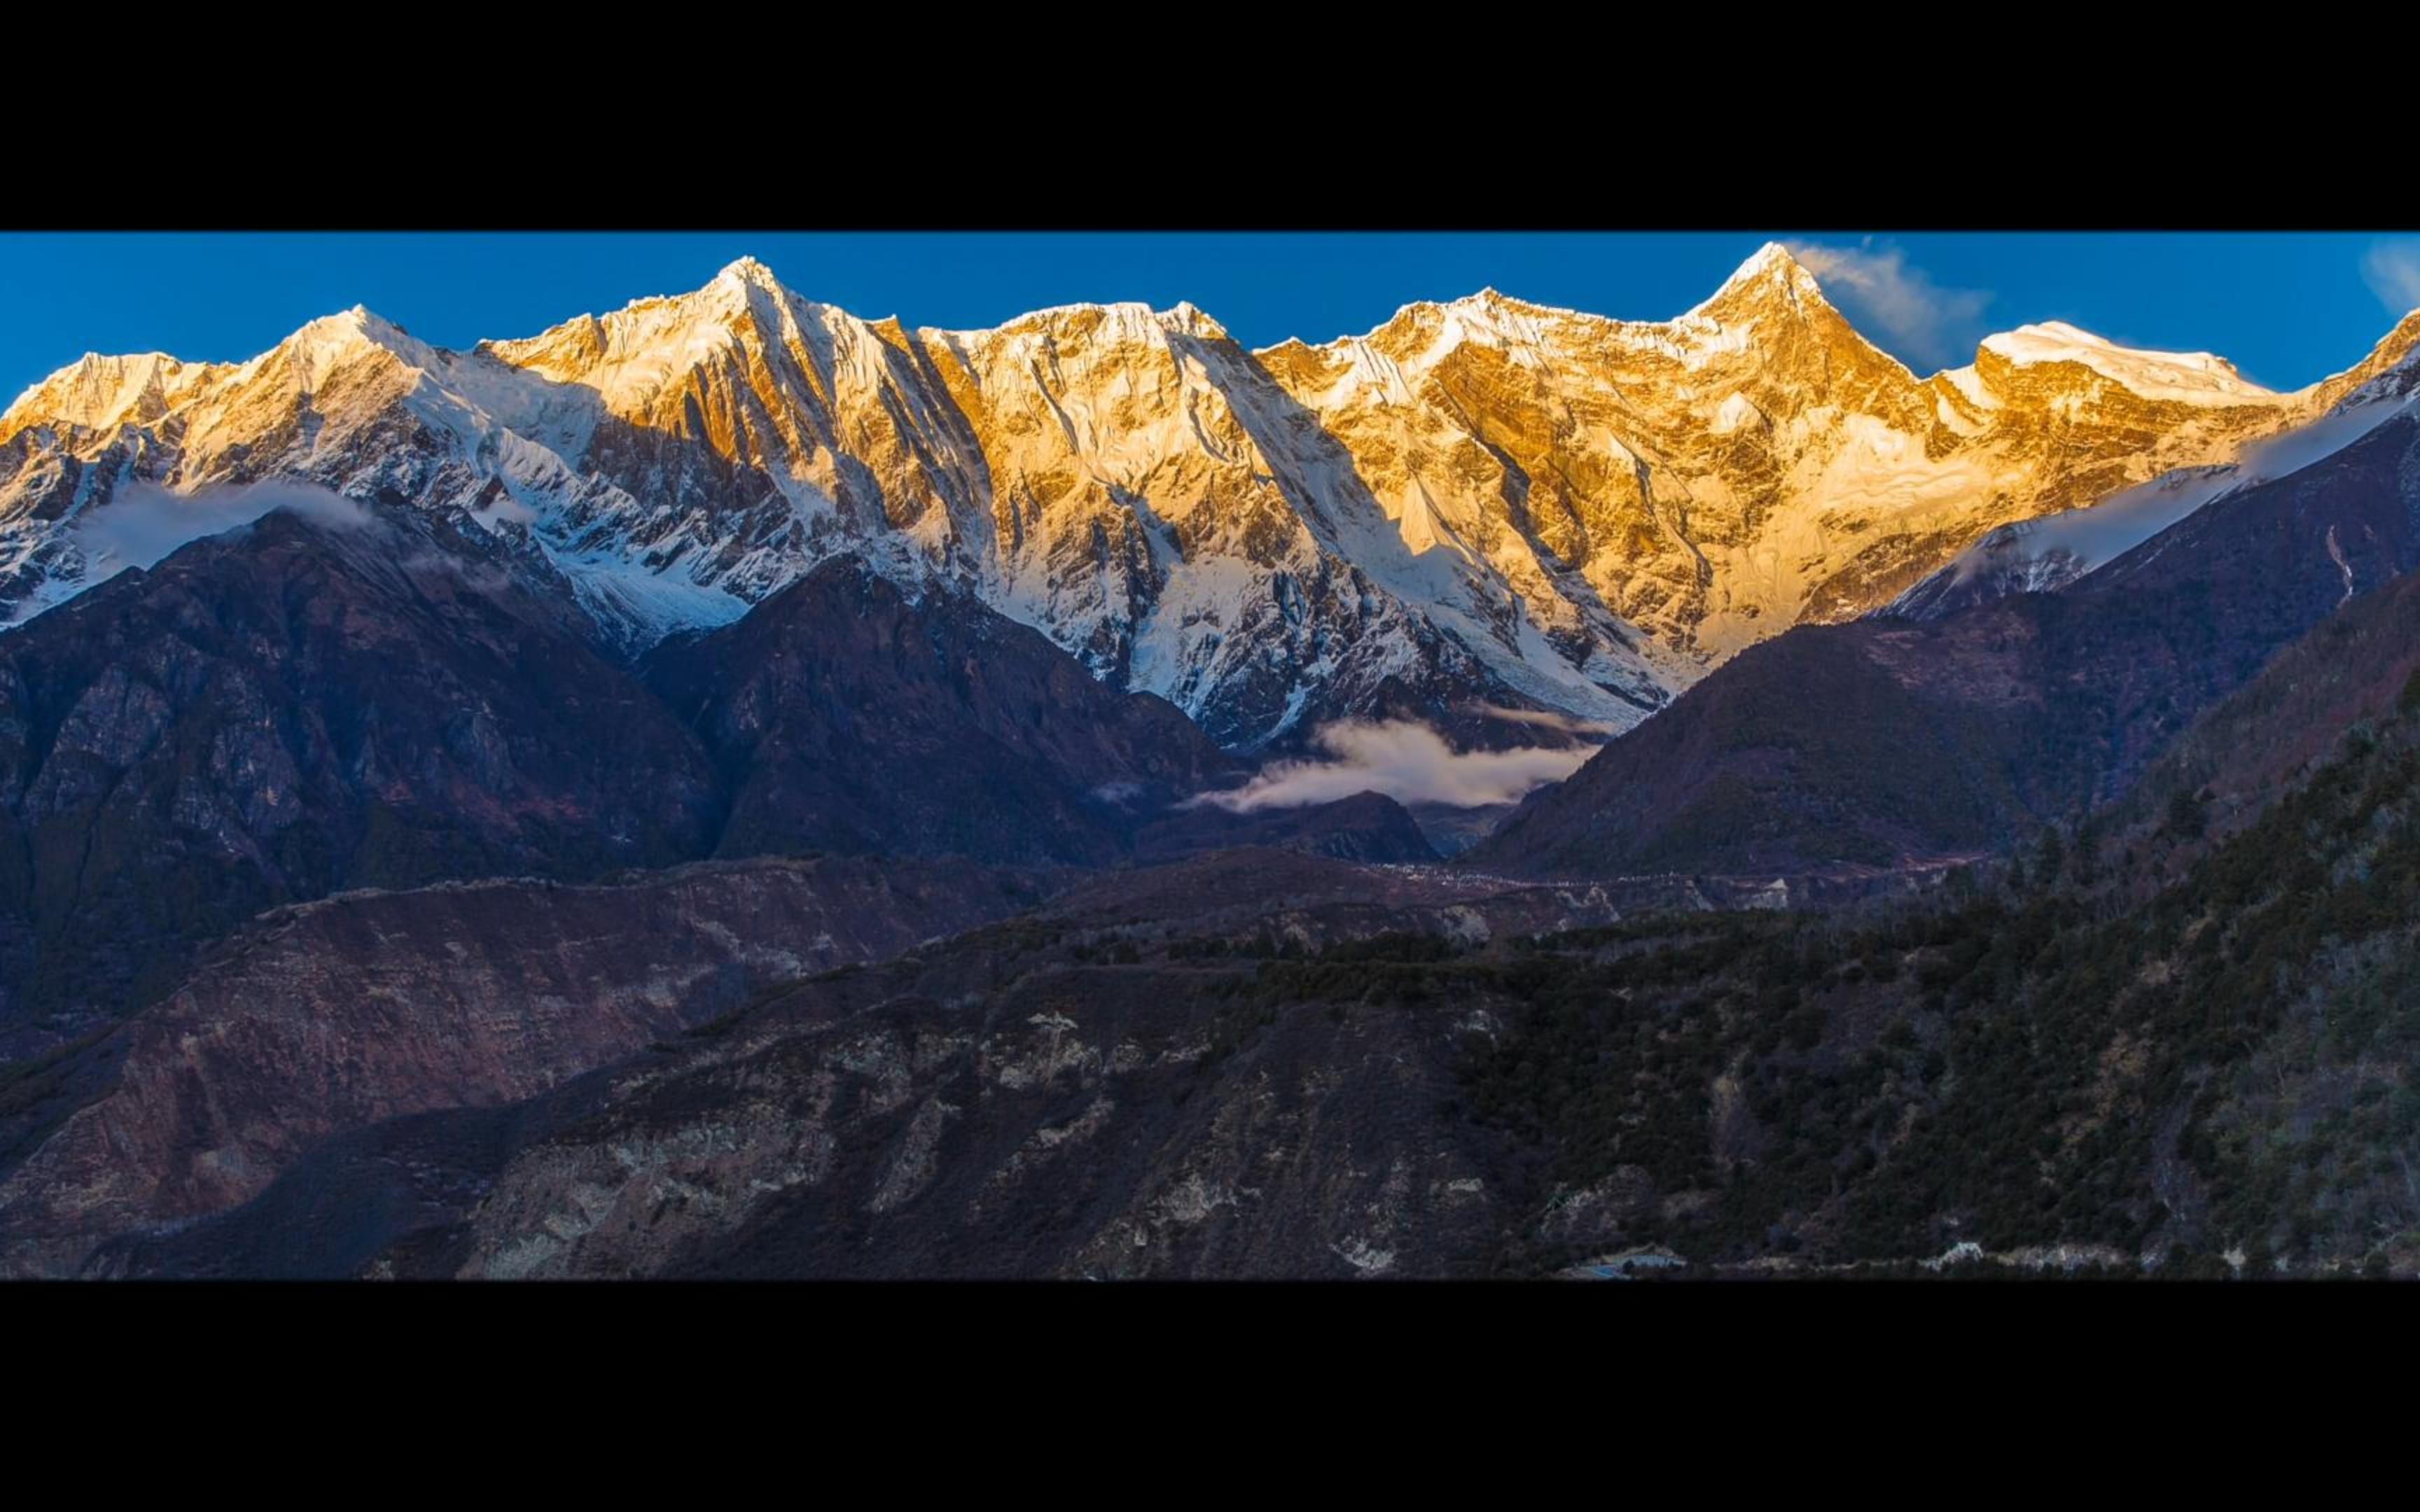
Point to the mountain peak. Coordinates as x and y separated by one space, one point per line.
1771 273
360 324
1770 257
744 285
749 272
350 334
1193 320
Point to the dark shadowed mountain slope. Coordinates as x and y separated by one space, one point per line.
1257 1064
307 705
2335 688
1882 741
331 1015
296 707
847 716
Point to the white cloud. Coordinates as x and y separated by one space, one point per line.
1917 317
2391 269
1410 763
142 524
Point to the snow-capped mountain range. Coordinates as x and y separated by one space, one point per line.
1485 501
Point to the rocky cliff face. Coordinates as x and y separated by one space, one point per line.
1095 1088
921 1139
333 1015
1480 502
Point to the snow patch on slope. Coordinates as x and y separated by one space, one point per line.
641 606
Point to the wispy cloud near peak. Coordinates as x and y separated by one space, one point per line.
2391 269
1937 326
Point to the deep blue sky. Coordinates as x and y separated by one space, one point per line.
2288 308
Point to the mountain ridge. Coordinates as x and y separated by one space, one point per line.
1485 501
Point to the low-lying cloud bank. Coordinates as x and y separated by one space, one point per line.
144 523
1407 762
